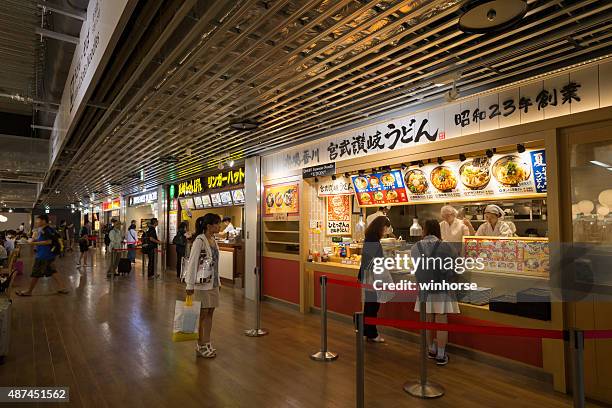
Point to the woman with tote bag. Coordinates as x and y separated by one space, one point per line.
202 278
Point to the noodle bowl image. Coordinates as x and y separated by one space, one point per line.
511 170
443 179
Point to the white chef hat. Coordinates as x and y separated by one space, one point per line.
495 210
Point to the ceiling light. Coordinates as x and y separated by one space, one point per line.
452 94
10 210
403 166
421 164
489 153
230 163
244 124
462 157
486 16
220 166
347 175
440 161
361 173
520 148
334 177
316 179
598 163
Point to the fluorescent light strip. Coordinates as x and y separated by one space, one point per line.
598 163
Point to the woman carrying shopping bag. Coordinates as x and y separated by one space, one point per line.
202 278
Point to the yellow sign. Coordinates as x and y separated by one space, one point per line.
187 188
229 178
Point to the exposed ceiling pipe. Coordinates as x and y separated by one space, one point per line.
57 36
79 15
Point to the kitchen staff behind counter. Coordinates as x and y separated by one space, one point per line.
494 225
382 212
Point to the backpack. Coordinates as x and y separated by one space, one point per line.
438 275
179 240
57 243
146 245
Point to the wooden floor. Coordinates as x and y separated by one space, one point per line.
110 342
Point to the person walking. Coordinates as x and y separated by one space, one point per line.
70 236
46 245
83 249
131 237
180 242
114 245
376 230
151 242
438 303
202 278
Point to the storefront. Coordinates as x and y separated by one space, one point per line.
111 208
221 193
524 149
141 208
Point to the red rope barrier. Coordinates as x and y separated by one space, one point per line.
342 282
598 334
466 328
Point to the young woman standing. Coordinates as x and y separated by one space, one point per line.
202 278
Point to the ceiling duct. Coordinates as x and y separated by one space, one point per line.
244 124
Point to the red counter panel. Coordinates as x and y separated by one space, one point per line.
281 279
347 300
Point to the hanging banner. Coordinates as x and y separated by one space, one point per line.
338 215
378 189
281 199
566 93
501 176
339 186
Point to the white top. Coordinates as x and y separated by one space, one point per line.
131 236
229 228
502 229
455 231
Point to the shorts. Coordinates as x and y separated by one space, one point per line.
43 268
209 298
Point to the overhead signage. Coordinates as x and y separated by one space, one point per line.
98 34
198 185
281 198
338 215
501 176
319 171
190 187
378 189
563 94
225 178
111 205
339 186
145 198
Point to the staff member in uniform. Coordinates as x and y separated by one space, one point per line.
453 229
494 225
227 227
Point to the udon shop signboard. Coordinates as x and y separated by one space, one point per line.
501 176
281 199
386 188
338 215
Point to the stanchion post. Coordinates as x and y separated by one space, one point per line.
423 388
257 331
143 261
577 343
359 361
323 354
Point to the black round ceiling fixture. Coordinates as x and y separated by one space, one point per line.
169 159
244 124
486 16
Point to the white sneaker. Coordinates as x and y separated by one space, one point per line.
206 351
377 339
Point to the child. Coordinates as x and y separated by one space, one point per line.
83 247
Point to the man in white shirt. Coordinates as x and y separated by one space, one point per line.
227 226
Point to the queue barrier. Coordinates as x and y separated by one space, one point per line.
422 388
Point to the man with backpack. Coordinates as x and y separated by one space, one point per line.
48 246
149 246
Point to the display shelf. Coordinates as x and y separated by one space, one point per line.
282 236
282 242
283 232
282 255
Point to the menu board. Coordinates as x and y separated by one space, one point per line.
190 203
380 189
501 176
216 199
338 215
198 202
523 256
238 196
172 224
183 202
206 203
226 198
281 199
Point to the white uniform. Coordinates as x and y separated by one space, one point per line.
455 231
229 228
502 229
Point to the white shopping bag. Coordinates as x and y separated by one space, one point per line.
186 320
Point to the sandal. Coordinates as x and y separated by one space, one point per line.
22 293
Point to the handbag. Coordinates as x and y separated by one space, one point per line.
382 296
186 320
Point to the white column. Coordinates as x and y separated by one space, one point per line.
252 204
